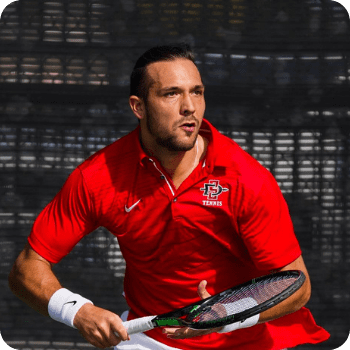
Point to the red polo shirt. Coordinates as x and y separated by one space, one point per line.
226 223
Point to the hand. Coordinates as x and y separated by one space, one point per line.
185 332
100 327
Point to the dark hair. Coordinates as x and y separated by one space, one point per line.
139 82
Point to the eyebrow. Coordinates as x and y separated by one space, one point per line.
173 88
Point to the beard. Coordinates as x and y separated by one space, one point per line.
167 139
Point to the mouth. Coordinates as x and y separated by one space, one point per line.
188 126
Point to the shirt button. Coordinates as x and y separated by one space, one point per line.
175 200
162 177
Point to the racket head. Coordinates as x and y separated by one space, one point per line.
245 300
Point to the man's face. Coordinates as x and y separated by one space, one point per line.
175 104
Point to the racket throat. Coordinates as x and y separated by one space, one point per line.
170 322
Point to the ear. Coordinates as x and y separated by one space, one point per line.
137 106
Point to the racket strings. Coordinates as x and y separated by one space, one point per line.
237 301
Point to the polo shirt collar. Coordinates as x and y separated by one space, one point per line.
216 156
142 156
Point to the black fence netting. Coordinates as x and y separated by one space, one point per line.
277 82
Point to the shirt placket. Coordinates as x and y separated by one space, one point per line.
169 187
174 194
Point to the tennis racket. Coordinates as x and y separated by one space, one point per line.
230 306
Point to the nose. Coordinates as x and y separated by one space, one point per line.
187 106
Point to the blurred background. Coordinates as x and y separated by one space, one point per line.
277 75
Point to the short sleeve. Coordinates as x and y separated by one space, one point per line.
266 227
64 221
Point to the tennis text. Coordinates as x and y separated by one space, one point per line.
212 203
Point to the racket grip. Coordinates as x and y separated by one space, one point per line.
139 325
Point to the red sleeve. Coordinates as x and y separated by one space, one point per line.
266 226
64 221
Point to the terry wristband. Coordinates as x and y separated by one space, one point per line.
249 322
64 305
240 306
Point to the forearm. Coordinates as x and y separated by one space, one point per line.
33 281
288 306
294 302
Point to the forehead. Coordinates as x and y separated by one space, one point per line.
176 72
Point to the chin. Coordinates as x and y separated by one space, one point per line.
177 146
185 146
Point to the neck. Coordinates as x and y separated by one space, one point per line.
179 165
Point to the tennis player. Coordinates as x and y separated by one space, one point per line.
193 213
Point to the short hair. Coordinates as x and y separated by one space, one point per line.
139 82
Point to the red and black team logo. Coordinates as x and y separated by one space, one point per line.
212 191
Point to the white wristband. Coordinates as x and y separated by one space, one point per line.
64 305
240 306
249 322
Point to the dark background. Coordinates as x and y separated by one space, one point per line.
277 79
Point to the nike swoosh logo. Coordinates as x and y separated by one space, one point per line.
70 302
128 210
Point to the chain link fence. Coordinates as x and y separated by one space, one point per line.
277 82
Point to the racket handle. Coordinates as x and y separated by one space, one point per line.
139 325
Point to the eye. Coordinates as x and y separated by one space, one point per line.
170 94
198 92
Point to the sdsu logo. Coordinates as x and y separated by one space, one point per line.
212 191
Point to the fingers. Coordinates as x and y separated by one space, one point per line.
185 332
202 292
119 329
100 327
181 333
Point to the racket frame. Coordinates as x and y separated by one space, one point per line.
173 318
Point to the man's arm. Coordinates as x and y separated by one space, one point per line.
33 281
291 304
295 301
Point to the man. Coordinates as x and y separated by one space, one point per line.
192 213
